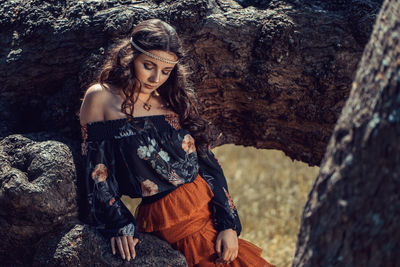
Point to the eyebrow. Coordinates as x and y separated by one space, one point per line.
146 60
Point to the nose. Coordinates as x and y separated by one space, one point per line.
155 76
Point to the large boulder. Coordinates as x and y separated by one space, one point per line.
274 75
37 193
39 215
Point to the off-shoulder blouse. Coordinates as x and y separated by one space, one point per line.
146 158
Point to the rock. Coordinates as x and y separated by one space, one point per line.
272 75
352 214
37 193
39 216
82 246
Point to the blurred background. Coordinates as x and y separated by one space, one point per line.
270 191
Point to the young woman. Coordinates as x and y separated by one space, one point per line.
143 137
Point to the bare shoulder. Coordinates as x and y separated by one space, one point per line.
92 108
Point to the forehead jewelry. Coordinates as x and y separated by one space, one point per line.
151 54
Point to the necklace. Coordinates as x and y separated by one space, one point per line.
146 104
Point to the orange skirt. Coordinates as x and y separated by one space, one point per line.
183 219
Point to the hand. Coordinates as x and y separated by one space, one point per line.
126 246
226 246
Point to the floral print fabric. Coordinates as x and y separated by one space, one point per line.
224 210
107 211
146 158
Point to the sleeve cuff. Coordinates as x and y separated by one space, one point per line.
223 226
127 230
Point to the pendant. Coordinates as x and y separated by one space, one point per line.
146 106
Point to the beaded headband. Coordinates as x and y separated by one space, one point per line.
152 55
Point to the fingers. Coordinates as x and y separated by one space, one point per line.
132 243
126 246
120 247
230 248
226 252
225 255
236 253
228 255
218 244
113 245
235 248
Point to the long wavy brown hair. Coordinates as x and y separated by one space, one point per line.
177 92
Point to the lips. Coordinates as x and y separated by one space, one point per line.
148 86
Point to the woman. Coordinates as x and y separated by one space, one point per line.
139 126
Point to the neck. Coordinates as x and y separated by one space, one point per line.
142 96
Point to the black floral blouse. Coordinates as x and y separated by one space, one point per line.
145 158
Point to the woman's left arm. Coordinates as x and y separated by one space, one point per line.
224 210
226 218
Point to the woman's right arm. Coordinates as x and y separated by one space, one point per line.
106 210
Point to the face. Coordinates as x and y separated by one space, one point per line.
152 72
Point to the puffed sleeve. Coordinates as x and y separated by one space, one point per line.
224 210
106 210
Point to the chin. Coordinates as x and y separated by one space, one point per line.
146 90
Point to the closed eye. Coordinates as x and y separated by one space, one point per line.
148 67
